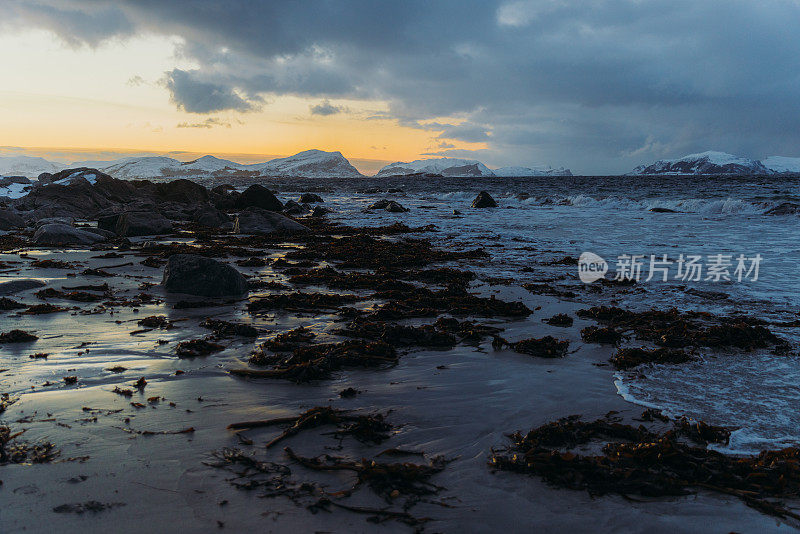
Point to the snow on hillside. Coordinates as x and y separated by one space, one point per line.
211 164
782 164
29 166
519 172
145 167
443 166
704 163
308 164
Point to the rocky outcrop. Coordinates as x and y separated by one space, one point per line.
388 205
196 275
135 223
310 198
484 200
258 196
293 208
182 191
10 219
260 221
208 215
57 234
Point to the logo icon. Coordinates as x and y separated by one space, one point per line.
591 267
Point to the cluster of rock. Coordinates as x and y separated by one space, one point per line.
128 208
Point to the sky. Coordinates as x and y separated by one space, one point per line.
596 86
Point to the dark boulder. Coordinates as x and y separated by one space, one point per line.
379 205
182 191
319 211
260 221
293 208
395 207
387 205
257 196
56 234
75 196
310 198
484 200
135 223
10 219
196 275
105 234
662 210
208 215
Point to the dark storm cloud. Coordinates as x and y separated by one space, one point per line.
597 85
197 96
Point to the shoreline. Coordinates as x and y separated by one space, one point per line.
455 402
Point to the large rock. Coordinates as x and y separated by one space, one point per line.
388 205
135 223
208 215
258 221
56 234
310 198
10 219
76 193
257 196
196 275
484 200
182 190
293 208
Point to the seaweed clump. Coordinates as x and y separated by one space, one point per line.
676 329
17 336
601 334
223 329
300 302
372 428
423 302
559 319
640 461
388 480
197 347
399 335
15 452
319 362
545 347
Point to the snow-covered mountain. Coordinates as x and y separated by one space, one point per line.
520 172
308 164
705 163
782 164
443 166
141 167
29 166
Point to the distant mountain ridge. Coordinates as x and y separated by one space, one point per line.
720 163
306 164
464 168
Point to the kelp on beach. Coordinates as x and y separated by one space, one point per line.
635 460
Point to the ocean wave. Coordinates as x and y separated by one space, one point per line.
706 206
